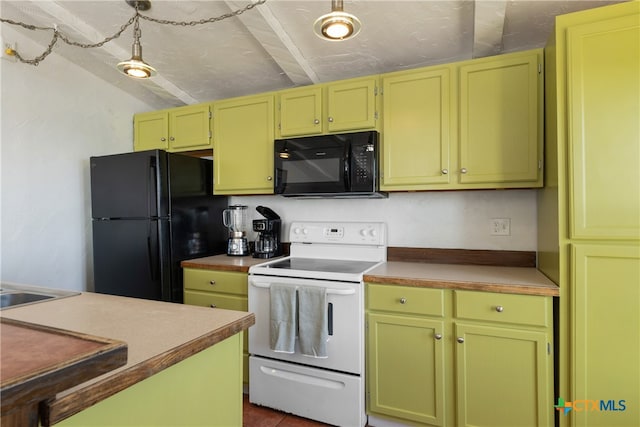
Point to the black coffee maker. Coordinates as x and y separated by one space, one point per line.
268 243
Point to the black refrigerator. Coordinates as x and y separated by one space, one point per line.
150 211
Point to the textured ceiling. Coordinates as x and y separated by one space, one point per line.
273 47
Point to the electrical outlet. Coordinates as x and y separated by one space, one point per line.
500 226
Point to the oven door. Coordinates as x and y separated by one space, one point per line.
345 323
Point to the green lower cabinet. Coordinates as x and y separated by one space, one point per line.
441 357
605 348
406 368
503 377
203 390
219 289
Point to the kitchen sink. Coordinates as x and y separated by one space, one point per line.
17 295
19 298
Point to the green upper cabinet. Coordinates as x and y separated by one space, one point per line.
300 111
605 153
467 125
151 131
178 129
501 120
416 122
351 104
243 145
343 106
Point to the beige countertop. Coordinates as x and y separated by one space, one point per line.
158 335
224 262
515 280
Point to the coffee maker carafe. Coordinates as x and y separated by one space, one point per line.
235 218
268 243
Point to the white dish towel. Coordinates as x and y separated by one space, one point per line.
312 321
283 318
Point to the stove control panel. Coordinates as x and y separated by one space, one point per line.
355 233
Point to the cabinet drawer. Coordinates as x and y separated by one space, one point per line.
215 281
403 299
521 309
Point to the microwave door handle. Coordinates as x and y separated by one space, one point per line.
347 168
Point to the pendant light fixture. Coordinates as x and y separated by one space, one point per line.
337 25
136 67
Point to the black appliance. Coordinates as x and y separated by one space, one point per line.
338 165
150 211
268 244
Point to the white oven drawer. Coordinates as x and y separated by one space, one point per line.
321 395
345 344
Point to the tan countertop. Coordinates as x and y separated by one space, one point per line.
224 262
514 280
158 335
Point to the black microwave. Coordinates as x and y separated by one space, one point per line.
338 165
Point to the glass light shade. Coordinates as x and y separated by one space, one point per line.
136 67
336 26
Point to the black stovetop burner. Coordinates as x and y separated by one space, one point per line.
323 265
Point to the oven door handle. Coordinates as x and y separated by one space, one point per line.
329 290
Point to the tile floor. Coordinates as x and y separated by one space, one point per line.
258 416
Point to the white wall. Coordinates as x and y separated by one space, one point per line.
442 219
53 118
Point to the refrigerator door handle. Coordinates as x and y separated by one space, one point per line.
152 263
150 179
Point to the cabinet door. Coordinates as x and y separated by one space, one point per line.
416 123
606 346
227 302
300 111
503 377
189 128
501 119
405 368
151 131
351 105
603 84
243 146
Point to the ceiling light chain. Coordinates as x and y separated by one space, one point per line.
59 35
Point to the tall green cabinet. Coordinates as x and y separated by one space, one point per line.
589 211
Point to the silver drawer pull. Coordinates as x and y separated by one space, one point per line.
438 336
403 300
212 282
499 309
460 340
213 306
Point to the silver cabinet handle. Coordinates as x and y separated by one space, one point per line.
499 309
330 119
213 306
269 178
171 138
403 300
212 282
316 122
445 171
163 139
463 170
460 340
438 336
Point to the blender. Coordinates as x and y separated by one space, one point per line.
235 218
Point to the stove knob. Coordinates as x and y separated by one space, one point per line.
363 232
373 232
296 230
305 231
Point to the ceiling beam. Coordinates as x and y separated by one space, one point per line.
88 32
488 27
268 31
